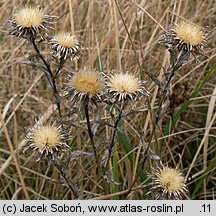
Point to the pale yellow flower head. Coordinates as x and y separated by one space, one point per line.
171 180
168 183
189 33
125 86
185 36
30 22
66 45
29 17
46 139
85 84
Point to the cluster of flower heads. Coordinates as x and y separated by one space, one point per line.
185 36
167 183
92 85
85 85
31 22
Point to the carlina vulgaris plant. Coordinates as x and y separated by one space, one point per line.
86 87
50 142
167 183
121 89
30 23
182 40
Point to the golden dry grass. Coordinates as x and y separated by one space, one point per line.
25 97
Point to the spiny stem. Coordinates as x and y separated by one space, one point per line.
166 86
145 154
60 66
176 64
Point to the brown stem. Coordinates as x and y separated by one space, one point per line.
49 76
70 185
115 129
91 136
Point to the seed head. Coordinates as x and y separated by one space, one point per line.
46 139
185 36
167 183
30 21
66 45
85 84
189 33
125 86
29 17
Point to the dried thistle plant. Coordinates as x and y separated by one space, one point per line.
182 40
121 89
86 86
47 141
30 23
50 142
167 183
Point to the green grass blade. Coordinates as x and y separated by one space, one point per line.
123 140
201 181
115 172
100 64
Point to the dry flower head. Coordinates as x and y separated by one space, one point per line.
30 20
185 36
168 183
189 33
46 139
125 86
29 17
66 45
85 84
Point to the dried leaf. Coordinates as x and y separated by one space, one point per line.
79 153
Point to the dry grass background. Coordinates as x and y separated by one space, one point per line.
190 145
